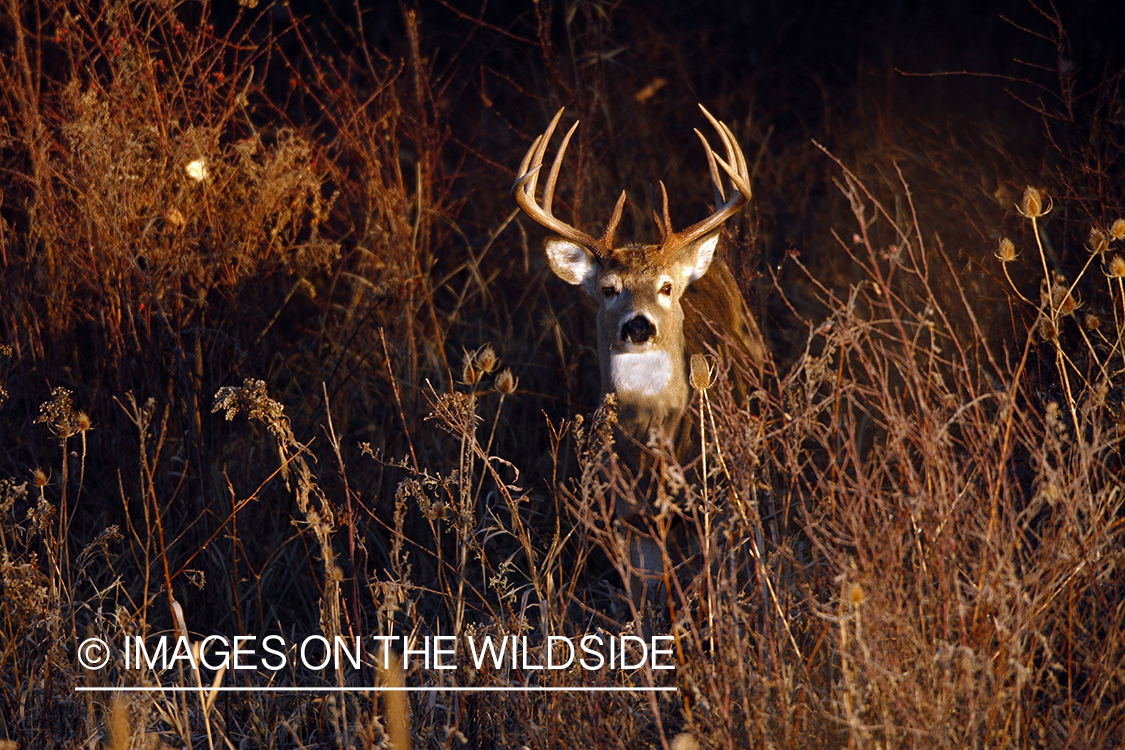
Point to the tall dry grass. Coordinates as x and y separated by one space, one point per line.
906 532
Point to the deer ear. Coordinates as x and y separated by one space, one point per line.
697 256
570 261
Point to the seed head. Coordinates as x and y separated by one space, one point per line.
1097 241
1007 251
1046 329
470 375
59 414
486 359
506 382
39 477
1062 300
83 422
1116 267
1093 322
1069 304
702 372
1117 229
856 594
1032 204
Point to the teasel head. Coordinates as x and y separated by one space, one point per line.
1032 206
470 373
1117 229
1067 303
702 372
1097 241
506 382
1006 251
1115 269
486 359
856 595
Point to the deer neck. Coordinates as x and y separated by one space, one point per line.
651 387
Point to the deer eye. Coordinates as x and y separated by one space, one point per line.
609 290
666 288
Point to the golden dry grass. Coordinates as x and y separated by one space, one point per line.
279 358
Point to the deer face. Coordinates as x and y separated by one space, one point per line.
640 318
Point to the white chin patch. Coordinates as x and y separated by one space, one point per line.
646 373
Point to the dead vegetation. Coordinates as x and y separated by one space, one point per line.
909 533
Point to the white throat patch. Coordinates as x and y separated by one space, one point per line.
647 373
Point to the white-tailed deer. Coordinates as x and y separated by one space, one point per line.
657 303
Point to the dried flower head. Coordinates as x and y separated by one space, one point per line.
1097 242
1032 204
470 373
1046 329
486 359
39 477
506 382
41 515
1115 269
1093 322
856 594
59 414
1063 301
702 372
83 422
1006 252
1117 229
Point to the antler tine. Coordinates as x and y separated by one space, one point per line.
739 173
739 178
663 220
716 181
606 242
553 175
533 160
524 174
527 181
735 168
742 168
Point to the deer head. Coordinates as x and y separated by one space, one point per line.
638 288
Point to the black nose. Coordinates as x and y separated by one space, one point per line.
639 329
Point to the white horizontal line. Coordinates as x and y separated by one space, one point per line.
529 689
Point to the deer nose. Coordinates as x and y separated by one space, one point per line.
638 330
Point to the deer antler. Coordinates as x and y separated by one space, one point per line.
735 167
602 247
524 191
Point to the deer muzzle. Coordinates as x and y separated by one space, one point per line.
638 330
